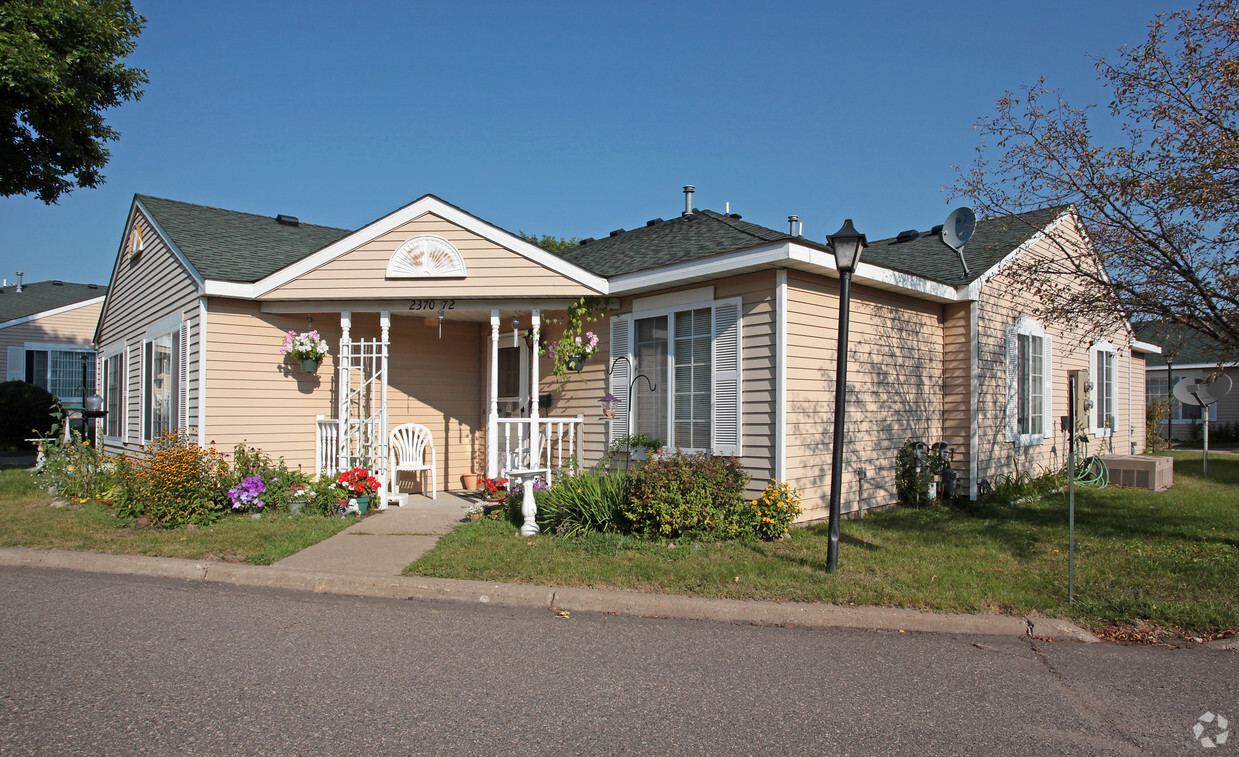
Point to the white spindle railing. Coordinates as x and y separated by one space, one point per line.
327 445
561 444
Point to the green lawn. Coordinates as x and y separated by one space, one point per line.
27 520
1168 558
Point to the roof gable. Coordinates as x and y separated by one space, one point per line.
1183 346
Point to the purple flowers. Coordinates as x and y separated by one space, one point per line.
245 494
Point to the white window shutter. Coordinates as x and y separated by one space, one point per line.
1048 423
183 359
1013 385
17 364
725 428
621 328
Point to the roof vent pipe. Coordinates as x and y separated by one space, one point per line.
791 220
19 280
688 199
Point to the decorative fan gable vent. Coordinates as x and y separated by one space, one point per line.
426 257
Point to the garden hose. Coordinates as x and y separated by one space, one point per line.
1092 472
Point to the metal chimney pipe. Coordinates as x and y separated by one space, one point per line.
19 280
688 199
792 221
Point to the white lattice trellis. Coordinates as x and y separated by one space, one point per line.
363 401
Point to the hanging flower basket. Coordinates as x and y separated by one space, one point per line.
308 347
310 364
576 363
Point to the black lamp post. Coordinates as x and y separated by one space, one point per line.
848 244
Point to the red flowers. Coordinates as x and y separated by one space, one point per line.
359 483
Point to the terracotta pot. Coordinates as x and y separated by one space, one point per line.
469 481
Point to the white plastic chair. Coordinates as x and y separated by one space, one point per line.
409 444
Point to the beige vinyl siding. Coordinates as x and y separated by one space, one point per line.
73 327
894 388
145 290
581 392
1001 304
258 397
957 386
492 271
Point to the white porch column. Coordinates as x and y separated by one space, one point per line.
535 438
384 453
492 399
343 361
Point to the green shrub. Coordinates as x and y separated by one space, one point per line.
914 477
321 495
589 501
74 469
171 483
1155 413
1013 488
690 494
29 412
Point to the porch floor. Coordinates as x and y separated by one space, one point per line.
383 544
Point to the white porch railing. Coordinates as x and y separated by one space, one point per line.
327 445
562 443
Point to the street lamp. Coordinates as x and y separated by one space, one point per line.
848 243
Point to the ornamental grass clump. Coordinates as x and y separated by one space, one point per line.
690 495
581 503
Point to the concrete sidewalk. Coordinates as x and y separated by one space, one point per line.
383 544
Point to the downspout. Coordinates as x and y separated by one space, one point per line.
780 406
974 383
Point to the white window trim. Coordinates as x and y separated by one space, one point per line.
101 377
1112 390
170 325
1029 327
668 305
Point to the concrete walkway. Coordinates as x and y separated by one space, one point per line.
383 544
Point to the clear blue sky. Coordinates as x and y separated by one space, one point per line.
572 118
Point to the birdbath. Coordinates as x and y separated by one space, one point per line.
529 508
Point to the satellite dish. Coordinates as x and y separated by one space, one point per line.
1201 393
957 231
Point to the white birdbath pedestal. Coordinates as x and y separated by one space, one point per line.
529 508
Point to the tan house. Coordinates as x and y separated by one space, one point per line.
733 326
46 328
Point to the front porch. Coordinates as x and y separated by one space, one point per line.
469 372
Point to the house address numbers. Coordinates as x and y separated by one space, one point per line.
432 305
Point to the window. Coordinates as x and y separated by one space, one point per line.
59 370
114 395
512 390
1156 389
163 383
691 357
1101 367
1029 397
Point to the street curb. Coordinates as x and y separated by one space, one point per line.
790 614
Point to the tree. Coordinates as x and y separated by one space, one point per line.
1161 207
548 242
61 66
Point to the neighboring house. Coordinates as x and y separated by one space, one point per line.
733 324
1188 355
46 327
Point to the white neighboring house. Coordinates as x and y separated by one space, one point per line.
46 327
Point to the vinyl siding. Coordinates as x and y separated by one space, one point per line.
895 380
957 386
259 398
145 290
493 271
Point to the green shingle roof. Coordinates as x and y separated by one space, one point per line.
678 240
225 245
1182 345
42 296
928 257
662 243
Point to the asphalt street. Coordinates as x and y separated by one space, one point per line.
106 664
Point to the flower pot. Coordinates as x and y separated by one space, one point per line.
469 481
310 364
294 506
363 504
576 363
341 506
